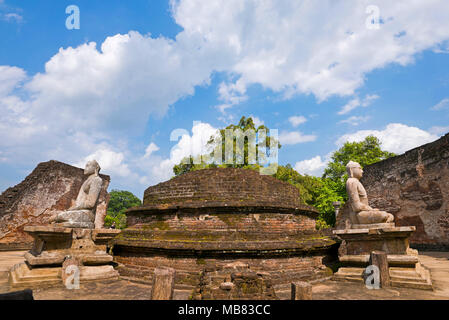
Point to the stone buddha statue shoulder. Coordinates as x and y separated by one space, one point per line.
360 213
82 214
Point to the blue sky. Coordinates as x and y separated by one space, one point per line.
135 71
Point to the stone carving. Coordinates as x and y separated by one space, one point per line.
360 212
82 214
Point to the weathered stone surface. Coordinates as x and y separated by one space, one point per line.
397 260
163 284
301 291
379 259
365 241
52 187
413 186
65 254
98 258
98 273
226 284
22 277
44 259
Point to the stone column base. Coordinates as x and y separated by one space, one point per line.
404 267
44 264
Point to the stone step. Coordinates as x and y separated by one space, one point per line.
416 279
401 272
412 284
358 272
347 278
393 259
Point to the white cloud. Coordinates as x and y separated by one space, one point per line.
297 120
231 94
89 98
396 137
443 104
356 102
323 48
439 130
110 162
161 169
11 17
10 78
295 137
152 147
314 166
355 120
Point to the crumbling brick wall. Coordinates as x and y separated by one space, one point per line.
414 187
52 187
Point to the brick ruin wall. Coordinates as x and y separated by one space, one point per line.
205 275
415 188
269 223
223 184
52 187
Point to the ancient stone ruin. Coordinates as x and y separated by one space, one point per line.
52 187
414 188
370 234
73 245
228 233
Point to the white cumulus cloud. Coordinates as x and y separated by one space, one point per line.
295 137
396 137
110 162
318 47
297 120
314 166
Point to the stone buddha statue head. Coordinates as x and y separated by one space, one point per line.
354 170
92 167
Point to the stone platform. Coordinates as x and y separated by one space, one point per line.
53 246
403 263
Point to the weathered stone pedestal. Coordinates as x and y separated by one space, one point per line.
403 264
86 248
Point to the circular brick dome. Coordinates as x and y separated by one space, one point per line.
224 187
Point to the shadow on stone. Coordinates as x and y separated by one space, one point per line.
18 295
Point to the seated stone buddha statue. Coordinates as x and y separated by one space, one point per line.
82 214
360 213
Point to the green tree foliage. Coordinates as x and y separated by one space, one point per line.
119 202
240 157
319 192
365 152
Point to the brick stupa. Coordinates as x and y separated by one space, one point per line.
228 233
